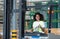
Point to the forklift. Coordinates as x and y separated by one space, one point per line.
10 30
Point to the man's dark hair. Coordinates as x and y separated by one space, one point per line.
41 16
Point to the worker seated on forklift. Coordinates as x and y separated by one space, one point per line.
38 24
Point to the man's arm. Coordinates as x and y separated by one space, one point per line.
43 29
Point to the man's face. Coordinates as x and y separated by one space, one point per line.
37 17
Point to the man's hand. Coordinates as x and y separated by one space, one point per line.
43 29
